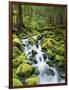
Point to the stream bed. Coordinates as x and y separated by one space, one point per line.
47 74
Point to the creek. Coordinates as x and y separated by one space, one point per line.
47 74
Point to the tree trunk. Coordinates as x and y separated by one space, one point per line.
19 18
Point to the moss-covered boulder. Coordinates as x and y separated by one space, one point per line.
17 82
50 63
32 80
59 60
47 43
16 52
36 72
60 49
50 53
31 40
16 40
25 70
22 58
19 60
14 74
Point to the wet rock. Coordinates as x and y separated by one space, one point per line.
44 56
16 52
17 82
32 80
50 72
25 70
19 60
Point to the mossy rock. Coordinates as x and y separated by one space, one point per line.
14 36
16 40
17 82
49 52
34 52
58 57
25 69
47 43
36 72
61 63
60 49
19 60
32 80
32 41
16 63
16 52
59 60
22 57
14 74
50 63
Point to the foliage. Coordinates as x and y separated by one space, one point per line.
25 69
16 52
32 80
16 82
19 60
48 24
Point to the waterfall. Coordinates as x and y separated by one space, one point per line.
47 74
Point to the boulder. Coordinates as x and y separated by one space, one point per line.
19 60
15 40
16 52
25 69
32 80
17 82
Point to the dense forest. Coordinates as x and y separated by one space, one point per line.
48 23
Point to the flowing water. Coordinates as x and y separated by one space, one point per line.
46 74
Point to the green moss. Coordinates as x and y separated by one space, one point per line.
32 80
25 70
38 24
22 57
59 60
19 60
16 82
16 40
16 52
60 49
50 63
31 40
60 64
15 63
47 43
50 52
58 57
14 74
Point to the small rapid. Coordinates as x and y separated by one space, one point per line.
46 74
